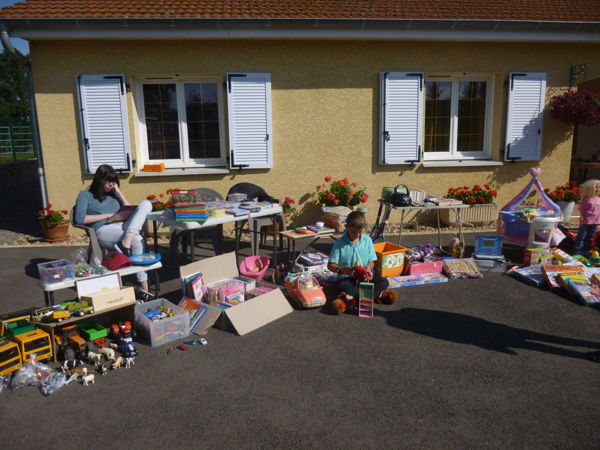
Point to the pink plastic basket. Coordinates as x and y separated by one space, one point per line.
248 267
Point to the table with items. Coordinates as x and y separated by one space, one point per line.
386 208
168 217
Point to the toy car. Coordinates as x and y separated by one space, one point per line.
305 290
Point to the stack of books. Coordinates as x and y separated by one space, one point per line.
191 212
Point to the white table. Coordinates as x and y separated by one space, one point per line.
50 288
378 232
167 217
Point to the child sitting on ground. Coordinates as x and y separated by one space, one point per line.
589 210
356 249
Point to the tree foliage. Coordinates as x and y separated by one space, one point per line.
14 94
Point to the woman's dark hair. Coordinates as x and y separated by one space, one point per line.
103 173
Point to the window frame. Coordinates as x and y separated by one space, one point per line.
453 154
184 161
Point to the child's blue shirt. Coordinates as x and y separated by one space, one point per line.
345 253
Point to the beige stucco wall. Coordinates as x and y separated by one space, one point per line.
325 101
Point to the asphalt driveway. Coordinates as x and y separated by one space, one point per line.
490 363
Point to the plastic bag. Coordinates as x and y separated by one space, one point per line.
54 382
32 373
4 380
82 268
97 267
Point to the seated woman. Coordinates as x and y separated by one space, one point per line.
96 205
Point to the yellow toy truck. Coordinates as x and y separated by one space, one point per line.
10 356
29 339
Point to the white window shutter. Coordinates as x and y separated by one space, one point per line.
104 124
401 137
249 114
526 97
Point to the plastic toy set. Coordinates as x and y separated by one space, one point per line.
559 271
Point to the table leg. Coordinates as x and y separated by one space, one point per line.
459 222
275 229
155 236
439 230
155 276
193 245
401 227
237 235
49 298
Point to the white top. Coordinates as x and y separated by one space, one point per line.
49 287
168 218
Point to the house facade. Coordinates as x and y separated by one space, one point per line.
282 96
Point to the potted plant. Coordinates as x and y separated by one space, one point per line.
158 204
580 107
55 224
483 210
341 192
565 197
287 207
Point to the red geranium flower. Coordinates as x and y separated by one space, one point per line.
327 179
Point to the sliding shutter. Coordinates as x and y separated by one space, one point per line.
526 97
401 137
104 127
249 113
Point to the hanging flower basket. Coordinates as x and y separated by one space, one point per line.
581 107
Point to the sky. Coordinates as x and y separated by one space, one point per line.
19 44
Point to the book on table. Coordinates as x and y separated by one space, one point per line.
123 214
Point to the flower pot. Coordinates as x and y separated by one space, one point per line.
566 210
57 233
481 214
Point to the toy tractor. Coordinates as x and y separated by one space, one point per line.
70 344
123 334
76 308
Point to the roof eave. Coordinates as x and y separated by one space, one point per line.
240 28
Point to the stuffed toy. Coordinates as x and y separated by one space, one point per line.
387 297
361 273
279 274
342 303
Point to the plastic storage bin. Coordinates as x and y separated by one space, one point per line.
390 259
417 268
55 271
514 225
160 332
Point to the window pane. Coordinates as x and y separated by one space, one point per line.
438 96
202 108
160 108
471 116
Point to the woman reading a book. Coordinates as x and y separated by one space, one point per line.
117 222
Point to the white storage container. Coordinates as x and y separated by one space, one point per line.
160 332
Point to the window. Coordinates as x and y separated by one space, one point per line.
182 121
457 117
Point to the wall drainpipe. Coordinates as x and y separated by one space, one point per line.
5 39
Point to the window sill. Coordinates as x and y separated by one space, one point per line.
463 163
179 172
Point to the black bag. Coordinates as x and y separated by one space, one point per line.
400 197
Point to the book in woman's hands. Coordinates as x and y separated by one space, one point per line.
123 214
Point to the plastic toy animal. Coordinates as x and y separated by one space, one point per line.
87 379
94 358
101 369
108 353
129 362
118 363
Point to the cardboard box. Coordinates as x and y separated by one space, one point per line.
105 292
154 167
244 317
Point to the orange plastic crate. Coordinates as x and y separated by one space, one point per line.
390 259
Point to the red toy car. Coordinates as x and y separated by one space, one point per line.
306 291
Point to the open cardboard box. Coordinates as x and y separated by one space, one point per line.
244 317
105 291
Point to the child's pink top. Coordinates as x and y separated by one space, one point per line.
590 211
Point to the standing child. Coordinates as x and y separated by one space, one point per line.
589 210
356 249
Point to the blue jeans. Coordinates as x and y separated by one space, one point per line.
111 233
585 236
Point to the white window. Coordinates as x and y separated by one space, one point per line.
181 121
457 117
